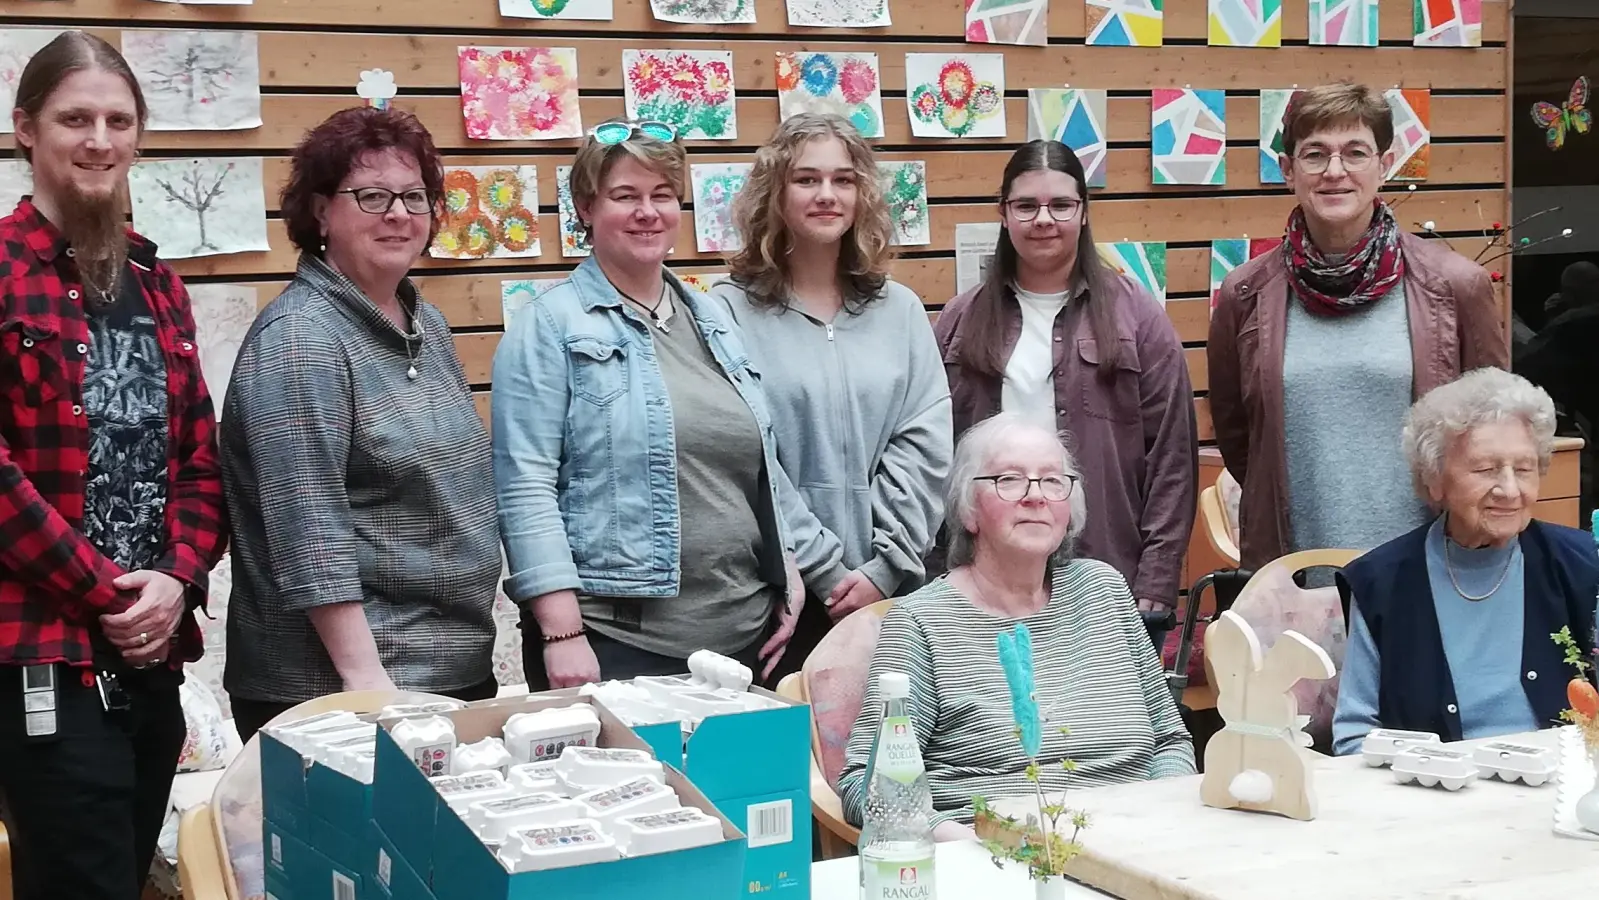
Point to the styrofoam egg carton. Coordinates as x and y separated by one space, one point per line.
574 843
428 741
665 832
461 791
545 734
1434 766
536 778
352 756
486 755
702 704
417 709
494 820
1383 744
644 794
1515 762
584 769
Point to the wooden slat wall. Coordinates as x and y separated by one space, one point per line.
312 52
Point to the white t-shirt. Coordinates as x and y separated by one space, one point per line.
1029 385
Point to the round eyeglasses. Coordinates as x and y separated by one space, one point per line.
609 133
1061 209
1355 159
1012 487
378 201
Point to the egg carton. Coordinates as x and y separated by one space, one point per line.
1381 745
1435 767
1532 766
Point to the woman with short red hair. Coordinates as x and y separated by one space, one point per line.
358 476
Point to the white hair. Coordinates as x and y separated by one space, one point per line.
1479 397
973 454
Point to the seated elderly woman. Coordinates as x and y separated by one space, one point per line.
1473 657
1014 510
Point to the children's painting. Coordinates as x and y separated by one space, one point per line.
1246 23
200 207
489 212
197 80
16 181
690 89
1571 117
1343 23
1007 22
846 84
1447 23
1273 106
223 314
1076 118
1125 23
591 10
519 292
1189 136
519 93
905 192
839 13
708 12
956 95
715 186
1229 253
17 46
574 237
1142 261
1412 133
701 281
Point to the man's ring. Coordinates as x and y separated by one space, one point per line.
144 638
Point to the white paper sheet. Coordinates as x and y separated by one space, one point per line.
905 192
200 206
592 10
974 252
839 13
709 12
715 185
223 314
956 94
197 80
518 293
16 179
17 46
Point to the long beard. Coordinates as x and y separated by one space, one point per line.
94 227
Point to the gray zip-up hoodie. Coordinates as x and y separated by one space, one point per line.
862 413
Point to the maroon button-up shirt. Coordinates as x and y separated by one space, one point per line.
54 583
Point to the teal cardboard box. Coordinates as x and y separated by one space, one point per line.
282 782
294 788
321 878
777 863
392 877
278 887
463 869
745 754
283 853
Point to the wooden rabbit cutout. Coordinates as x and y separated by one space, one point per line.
1256 761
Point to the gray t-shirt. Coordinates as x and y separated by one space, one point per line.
723 603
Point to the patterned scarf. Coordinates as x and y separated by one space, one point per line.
1368 271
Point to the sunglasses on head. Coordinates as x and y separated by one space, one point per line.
609 133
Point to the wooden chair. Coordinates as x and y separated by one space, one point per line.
1221 532
838 838
5 865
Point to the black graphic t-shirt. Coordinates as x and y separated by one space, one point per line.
125 399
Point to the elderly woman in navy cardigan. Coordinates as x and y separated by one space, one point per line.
1449 624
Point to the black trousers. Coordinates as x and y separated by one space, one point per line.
250 716
84 807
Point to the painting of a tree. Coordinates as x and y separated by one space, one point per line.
17 46
197 191
197 80
200 207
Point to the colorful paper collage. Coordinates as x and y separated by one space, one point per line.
515 294
490 212
1412 133
1189 136
1007 22
589 10
1142 261
956 95
1343 23
17 46
197 80
701 281
1125 23
519 93
715 186
691 89
905 192
1076 118
1448 23
1246 23
838 13
704 12
847 84
1273 106
1230 253
574 237
200 207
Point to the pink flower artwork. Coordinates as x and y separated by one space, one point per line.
520 93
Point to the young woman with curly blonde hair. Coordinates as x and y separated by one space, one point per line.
849 366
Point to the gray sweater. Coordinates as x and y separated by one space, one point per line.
861 410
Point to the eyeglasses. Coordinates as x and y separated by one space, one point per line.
609 133
1061 209
1355 159
1012 487
378 201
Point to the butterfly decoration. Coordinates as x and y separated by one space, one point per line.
1573 115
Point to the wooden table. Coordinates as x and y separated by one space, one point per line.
1373 839
965 872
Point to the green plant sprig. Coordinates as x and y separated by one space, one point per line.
1045 851
1566 642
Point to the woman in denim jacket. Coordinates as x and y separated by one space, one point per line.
633 452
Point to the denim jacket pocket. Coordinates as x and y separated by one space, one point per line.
33 369
599 369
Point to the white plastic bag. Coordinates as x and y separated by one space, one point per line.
206 746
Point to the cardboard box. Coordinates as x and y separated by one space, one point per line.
294 789
278 887
742 754
305 870
777 862
431 838
392 878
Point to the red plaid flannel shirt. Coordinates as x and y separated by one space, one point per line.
54 583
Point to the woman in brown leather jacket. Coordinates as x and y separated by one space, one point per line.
1054 332
1318 349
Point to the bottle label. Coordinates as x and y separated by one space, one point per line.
898 879
898 755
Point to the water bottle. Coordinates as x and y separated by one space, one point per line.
896 844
